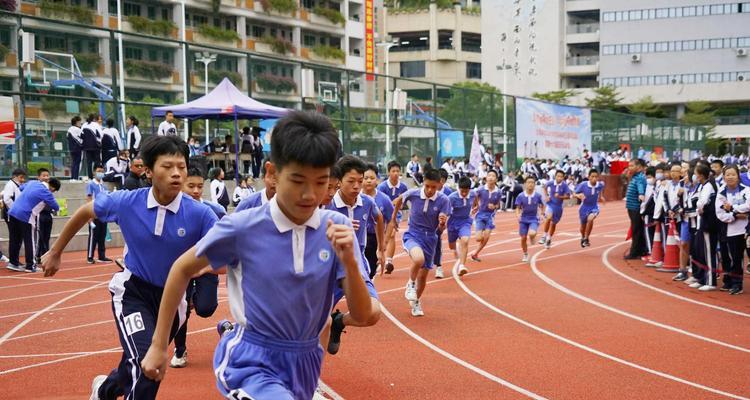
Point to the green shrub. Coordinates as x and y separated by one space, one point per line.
278 44
282 6
329 52
275 83
148 69
88 62
222 35
216 76
161 27
333 15
33 166
53 107
80 14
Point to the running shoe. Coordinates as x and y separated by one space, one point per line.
5 259
735 291
411 291
696 285
690 281
31 269
725 287
707 288
17 268
416 309
525 257
439 272
548 244
388 268
587 243
680 277
178 362
337 326
543 240
95 385
475 258
462 270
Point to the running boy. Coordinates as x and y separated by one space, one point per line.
393 188
489 198
273 352
462 202
528 205
429 211
438 261
158 224
369 187
97 228
555 191
589 194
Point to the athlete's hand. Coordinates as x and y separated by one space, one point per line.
50 263
442 219
154 364
491 206
355 224
342 240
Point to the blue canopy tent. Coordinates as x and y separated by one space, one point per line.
224 102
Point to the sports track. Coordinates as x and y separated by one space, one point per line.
572 324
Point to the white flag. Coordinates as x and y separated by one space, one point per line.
475 157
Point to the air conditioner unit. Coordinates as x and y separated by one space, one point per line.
635 58
743 77
741 52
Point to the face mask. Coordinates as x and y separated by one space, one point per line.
650 181
695 178
659 176
99 175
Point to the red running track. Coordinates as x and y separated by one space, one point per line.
572 324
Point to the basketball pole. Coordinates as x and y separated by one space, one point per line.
121 68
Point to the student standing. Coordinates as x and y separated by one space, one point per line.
22 220
463 204
428 211
218 187
111 144
634 196
159 224
704 247
369 187
556 192
97 228
44 220
489 198
589 193
167 127
242 191
134 136
393 188
75 147
314 251
528 205
732 206
92 143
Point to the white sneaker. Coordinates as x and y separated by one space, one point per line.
439 273
548 244
543 240
696 285
178 362
462 270
525 257
690 281
17 268
4 258
707 288
95 384
411 291
416 309
318 395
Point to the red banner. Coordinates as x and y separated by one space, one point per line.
369 39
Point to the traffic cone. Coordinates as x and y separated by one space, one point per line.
657 250
672 253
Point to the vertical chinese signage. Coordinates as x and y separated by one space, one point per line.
369 39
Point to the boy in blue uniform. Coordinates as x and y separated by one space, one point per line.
203 291
528 205
439 247
489 197
22 217
281 286
463 205
97 228
159 224
428 212
555 191
261 197
589 194
393 188
369 187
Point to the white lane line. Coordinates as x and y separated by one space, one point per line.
53 354
590 349
615 310
455 359
47 294
329 391
68 328
56 309
54 280
605 261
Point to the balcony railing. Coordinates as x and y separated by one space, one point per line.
582 60
583 28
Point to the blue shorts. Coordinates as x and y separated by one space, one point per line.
555 212
458 230
584 213
684 227
525 225
424 241
484 222
250 366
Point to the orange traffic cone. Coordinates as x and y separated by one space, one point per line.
672 254
657 250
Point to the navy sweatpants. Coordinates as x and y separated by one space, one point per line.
202 294
438 258
135 306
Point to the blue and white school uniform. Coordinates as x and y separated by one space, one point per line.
459 224
156 236
256 199
590 203
423 222
280 306
554 204
97 228
484 220
31 199
529 205
393 192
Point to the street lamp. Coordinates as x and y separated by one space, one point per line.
386 47
205 58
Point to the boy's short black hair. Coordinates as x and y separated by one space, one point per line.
75 120
336 172
372 167
464 183
155 146
651 171
432 175
492 171
110 122
392 164
559 171
169 112
348 163
594 171
41 170
98 166
305 138
443 174
18 172
529 177
718 161
194 171
54 183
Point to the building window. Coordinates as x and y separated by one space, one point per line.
258 31
309 41
129 9
473 70
412 69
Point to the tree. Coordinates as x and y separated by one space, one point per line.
474 103
605 98
699 113
556 96
645 106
